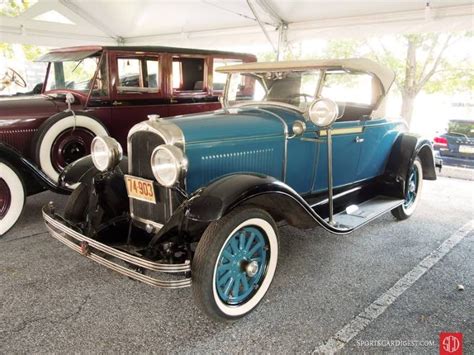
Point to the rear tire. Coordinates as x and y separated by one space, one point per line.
234 263
413 190
12 196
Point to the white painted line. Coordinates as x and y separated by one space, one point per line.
372 312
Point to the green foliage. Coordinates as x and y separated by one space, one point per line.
32 52
449 74
6 50
451 80
13 8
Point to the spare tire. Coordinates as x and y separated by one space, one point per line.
62 139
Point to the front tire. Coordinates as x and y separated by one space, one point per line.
77 203
234 263
12 196
61 140
413 190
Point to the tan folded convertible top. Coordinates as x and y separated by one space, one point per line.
385 75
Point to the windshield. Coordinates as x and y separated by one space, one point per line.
78 76
461 128
297 89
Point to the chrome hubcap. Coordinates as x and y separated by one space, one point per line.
252 268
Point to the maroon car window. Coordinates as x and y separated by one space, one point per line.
137 75
188 74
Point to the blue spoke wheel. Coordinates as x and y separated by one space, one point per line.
412 191
241 265
234 263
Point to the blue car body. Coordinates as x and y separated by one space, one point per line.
253 140
191 183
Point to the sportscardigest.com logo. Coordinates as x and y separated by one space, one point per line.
449 343
394 343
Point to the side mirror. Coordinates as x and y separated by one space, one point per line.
298 128
323 112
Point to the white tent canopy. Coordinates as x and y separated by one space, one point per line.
225 23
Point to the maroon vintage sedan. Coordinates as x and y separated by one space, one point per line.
90 91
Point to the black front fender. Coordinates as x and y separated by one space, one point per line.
405 150
221 196
212 202
35 180
83 170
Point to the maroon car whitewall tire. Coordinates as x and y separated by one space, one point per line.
12 197
62 139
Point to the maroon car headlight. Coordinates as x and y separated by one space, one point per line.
106 152
168 164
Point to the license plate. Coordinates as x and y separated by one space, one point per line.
140 189
466 149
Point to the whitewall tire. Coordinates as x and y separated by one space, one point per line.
413 191
63 139
12 197
234 263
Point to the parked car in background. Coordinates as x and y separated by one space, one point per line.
109 90
456 146
198 200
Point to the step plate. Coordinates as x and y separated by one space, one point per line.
366 212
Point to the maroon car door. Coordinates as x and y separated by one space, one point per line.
137 91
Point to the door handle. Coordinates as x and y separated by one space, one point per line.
359 140
116 103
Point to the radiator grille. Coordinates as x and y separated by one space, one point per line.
142 144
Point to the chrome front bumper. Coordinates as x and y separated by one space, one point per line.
95 250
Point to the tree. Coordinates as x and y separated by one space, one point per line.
423 65
420 62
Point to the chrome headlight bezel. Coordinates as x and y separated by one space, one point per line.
177 162
106 153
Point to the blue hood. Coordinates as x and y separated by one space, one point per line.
241 123
223 142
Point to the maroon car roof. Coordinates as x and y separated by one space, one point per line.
80 52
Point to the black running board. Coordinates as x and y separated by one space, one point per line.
355 216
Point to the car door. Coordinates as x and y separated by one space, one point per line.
346 148
137 91
354 95
379 136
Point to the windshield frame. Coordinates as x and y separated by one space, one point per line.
87 94
226 102
323 72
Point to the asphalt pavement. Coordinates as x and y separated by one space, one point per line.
54 300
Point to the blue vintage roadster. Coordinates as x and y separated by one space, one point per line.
199 197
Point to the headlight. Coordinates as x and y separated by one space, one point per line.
168 164
106 152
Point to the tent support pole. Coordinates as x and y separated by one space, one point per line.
262 26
